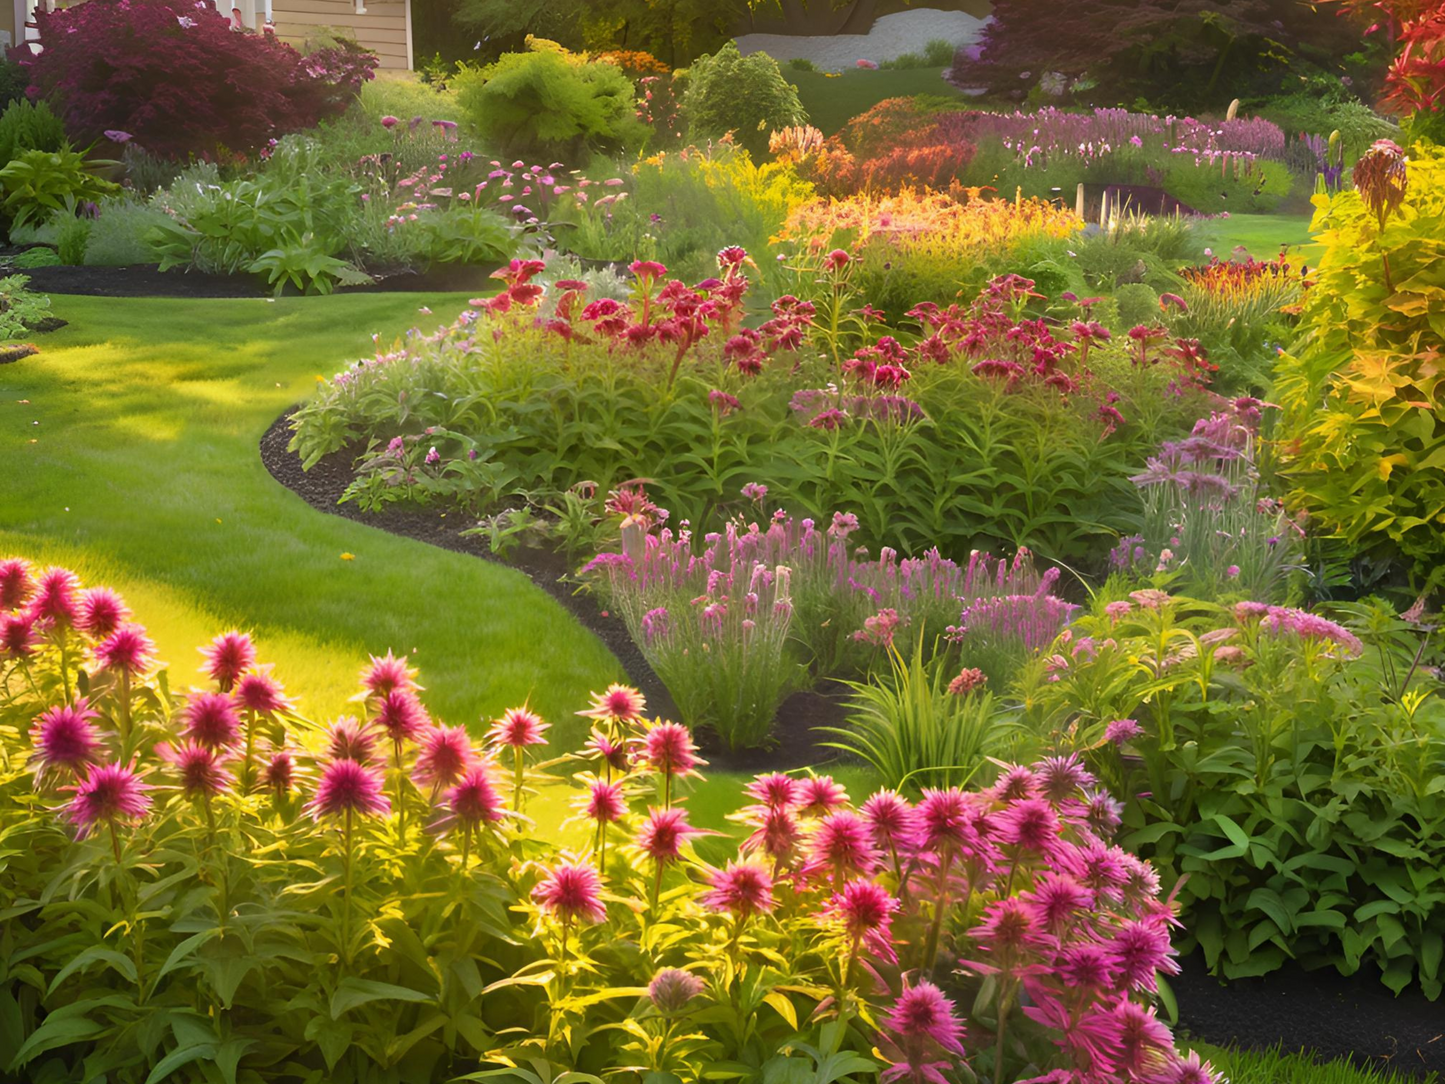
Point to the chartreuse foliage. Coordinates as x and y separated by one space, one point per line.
1364 428
1290 767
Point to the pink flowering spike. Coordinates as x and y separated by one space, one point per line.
671 989
16 584
604 802
474 800
199 769
348 787
56 601
619 703
349 740
102 611
65 739
227 657
444 756
893 822
111 794
211 719
817 794
663 833
775 791
128 650
945 820
387 674
1029 825
841 846
518 727
279 774
668 750
400 716
743 889
570 892
261 693
866 911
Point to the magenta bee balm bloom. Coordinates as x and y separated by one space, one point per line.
227 657
211 719
110 794
518 727
349 740
474 800
387 674
128 650
259 692
743 889
445 755
621 703
65 738
16 584
604 802
672 988
348 787
570 892
200 769
401 716
101 612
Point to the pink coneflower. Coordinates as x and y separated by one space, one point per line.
742 890
17 636
1062 777
1057 900
866 910
16 584
775 791
101 612
227 657
400 716
1030 824
570 892
663 833
65 738
57 598
349 740
279 775
211 719
604 802
127 650
518 727
348 788
1138 951
110 794
445 755
619 703
261 693
817 794
200 769
387 674
842 845
672 988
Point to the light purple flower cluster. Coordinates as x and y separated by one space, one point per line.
1288 621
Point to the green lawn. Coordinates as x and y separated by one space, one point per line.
1262 235
833 100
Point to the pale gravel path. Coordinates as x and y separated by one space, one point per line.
891 36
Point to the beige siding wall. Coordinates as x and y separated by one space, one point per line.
382 29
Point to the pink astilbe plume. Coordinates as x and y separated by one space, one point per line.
866 912
518 727
663 833
743 889
818 794
618 703
400 716
774 791
261 693
922 1035
65 739
101 612
211 719
841 846
16 584
387 674
110 794
349 740
570 891
444 755
56 601
199 769
348 787
474 800
604 802
128 650
227 657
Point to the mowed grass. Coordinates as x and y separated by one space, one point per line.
833 100
1262 235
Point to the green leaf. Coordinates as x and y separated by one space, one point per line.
351 992
182 1056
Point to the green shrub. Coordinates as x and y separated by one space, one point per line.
1362 387
20 308
39 256
745 95
938 53
547 104
1136 303
38 184
398 94
118 237
801 64
71 240
29 126
13 82
1241 186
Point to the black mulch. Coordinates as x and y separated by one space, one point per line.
797 744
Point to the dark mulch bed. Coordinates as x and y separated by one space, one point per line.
149 281
1323 1011
797 744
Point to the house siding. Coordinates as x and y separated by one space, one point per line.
383 29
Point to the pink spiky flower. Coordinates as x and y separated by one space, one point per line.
1139 951
279 775
604 802
944 818
612 752
778 834
1190 1069
111 794
347 787
127 650
1030 824
1062 777
445 755
892 820
570 891
261 693
866 911
211 719
227 657
742 890
669 750
842 845
17 636
619 703
775 791
663 833
474 800
65 738
200 768
16 583
1146 1048
101 612
57 598
518 727
349 740
672 988
1016 782
817 794
1057 901
400 716
387 674
922 1026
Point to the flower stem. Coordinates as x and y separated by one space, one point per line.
940 907
346 897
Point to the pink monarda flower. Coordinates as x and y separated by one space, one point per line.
775 791
1057 900
227 657
570 892
17 636
866 910
101 612
944 819
473 800
16 584
842 845
110 794
1016 782
1145 1046
279 774
778 834
663 833
211 719
619 703
1102 813
672 988
742 890
1030 824
57 598
893 822
65 739
400 716
261 693
817 794
1191 1070
1138 952
604 802
927 1034
200 768
1008 931
387 674
518 727
1122 731
668 749
349 740
127 650
445 755
612 752
1062 777
347 787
